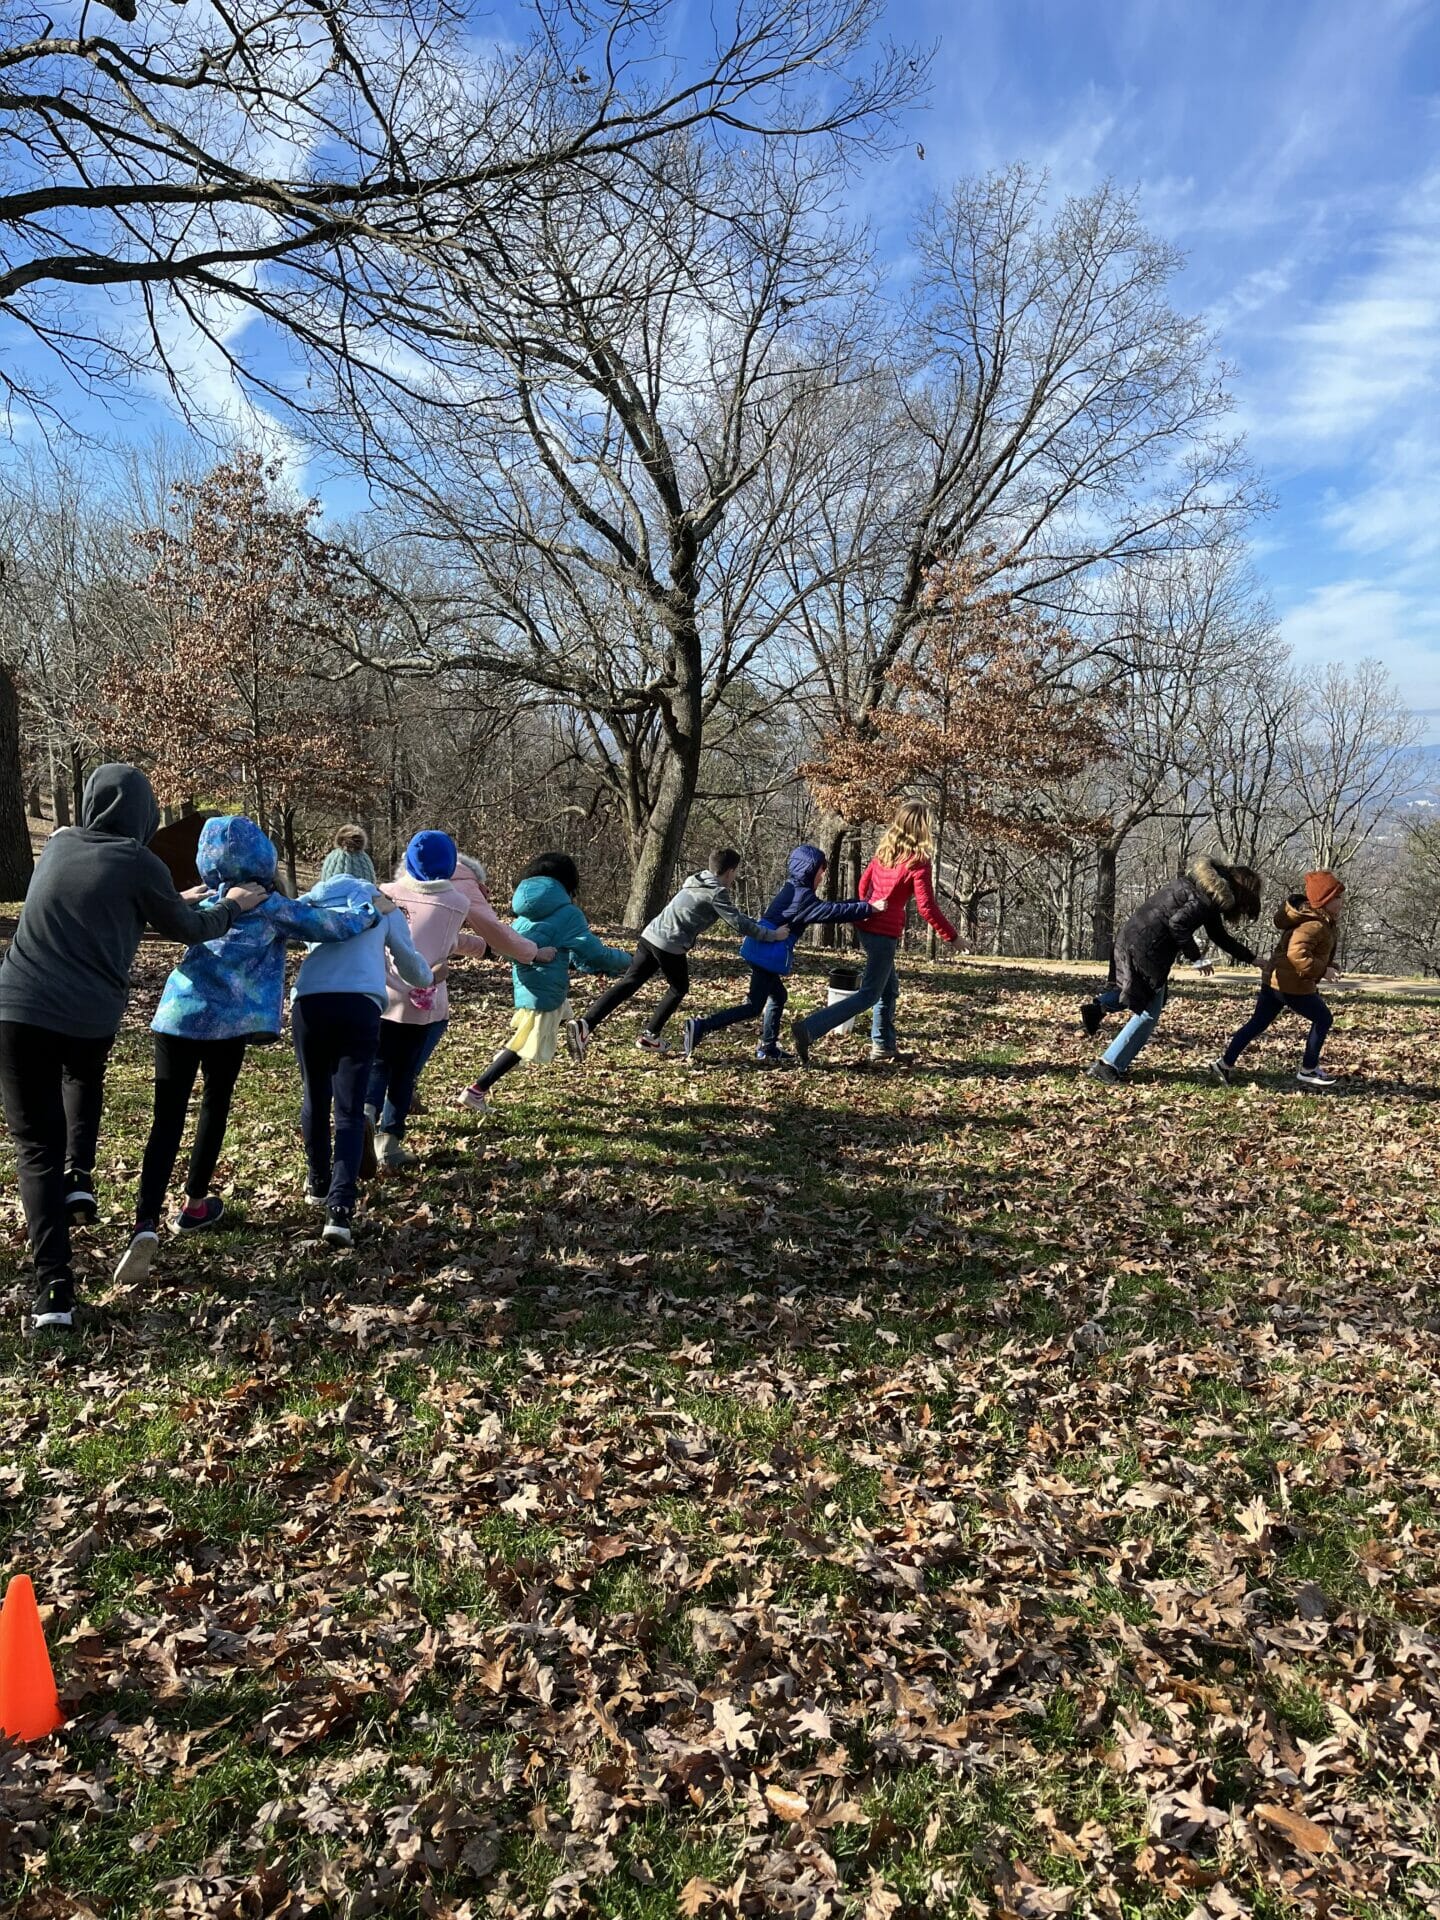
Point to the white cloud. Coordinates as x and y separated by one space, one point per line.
1358 619
1374 347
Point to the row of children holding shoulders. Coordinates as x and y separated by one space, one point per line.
370 1001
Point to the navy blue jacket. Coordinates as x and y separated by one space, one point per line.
797 906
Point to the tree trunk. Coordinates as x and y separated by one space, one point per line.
651 881
59 792
1102 925
288 820
16 865
77 779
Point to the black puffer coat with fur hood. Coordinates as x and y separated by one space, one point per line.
1163 930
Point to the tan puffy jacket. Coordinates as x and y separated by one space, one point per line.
1305 948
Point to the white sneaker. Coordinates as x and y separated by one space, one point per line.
653 1043
474 1098
1315 1077
139 1257
392 1153
577 1038
314 1199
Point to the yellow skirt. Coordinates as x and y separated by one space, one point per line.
536 1036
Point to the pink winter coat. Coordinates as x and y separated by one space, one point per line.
436 911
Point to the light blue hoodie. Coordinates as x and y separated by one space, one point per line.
358 965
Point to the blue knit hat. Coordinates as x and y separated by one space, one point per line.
431 856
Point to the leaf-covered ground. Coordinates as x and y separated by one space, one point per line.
946 1491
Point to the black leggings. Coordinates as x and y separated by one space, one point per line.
647 963
177 1062
54 1089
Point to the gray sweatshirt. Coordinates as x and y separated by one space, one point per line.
95 889
698 905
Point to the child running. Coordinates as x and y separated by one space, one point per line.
416 1017
1206 898
545 911
902 869
796 906
1309 926
63 989
664 948
226 995
340 994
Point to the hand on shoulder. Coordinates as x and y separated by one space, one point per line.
244 899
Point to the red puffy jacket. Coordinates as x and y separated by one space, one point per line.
895 886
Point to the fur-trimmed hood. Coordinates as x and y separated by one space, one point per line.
1214 881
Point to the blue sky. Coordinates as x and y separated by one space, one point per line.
1291 148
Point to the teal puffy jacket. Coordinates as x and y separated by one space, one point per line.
544 912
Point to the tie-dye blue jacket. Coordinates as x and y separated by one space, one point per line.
234 987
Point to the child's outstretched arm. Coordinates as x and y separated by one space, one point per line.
302 920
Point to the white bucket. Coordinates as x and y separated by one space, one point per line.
843 982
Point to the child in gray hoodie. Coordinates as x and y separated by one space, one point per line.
664 947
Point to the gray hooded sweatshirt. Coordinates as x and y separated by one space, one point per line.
698 905
95 888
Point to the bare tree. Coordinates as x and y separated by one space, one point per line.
1047 401
1183 638
310 161
1350 740
612 452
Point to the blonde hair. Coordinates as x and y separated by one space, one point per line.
352 838
909 836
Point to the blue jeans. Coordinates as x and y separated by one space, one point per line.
402 1052
1269 1006
1122 1051
879 988
764 1001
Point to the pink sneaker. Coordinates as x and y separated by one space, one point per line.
475 1098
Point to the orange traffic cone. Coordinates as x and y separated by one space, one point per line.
29 1704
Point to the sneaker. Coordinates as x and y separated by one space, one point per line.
1108 1076
691 1037
196 1220
315 1198
1315 1077
139 1257
776 1056
369 1164
475 1098
392 1153
577 1039
54 1303
800 1040
890 1057
1222 1071
1092 1016
339 1228
649 1042
80 1199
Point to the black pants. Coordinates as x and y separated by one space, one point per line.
177 1062
647 963
336 1035
54 1090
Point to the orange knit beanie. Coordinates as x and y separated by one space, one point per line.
1322 887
